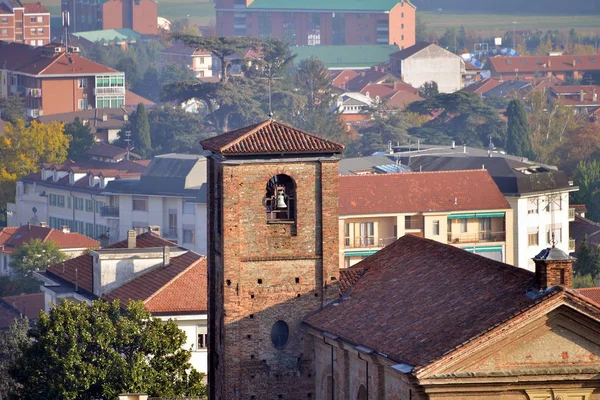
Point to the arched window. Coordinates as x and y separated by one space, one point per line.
362 393
280 199
280 333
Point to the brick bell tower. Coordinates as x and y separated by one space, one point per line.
273 257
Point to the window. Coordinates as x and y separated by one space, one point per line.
554 234
202 340
485 228
32 19
52 200
5 20
289 28
401 26
40 19
189 208
78 203
463 225
188 236
69 199
280 199
32 42
347 238
532 206
32 31
172 223
264 25
367 233
279 334
61 200
533 238
99 205
82 83
4 32
555 203
89 229
40 31
140 204
436 227
314 29
89 206
40 42
82 104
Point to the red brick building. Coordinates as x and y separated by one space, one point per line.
139 15
330 22
54 80
27 23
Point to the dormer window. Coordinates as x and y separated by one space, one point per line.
71 180
280 199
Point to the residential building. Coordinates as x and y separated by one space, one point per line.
425 62
424 320
581 228
395 95
138 15
538 195
104 123
353 106
56 80
200 62
12 237
583 99
70 194
122 37
27 23
348 57
560 66
441 206
168 279
368 77
330 22
169 197
23 305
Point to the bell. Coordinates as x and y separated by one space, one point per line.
281 201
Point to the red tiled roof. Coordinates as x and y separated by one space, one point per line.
482 86
133 99
367 77
401 99
374 89
269 137
420 299
28 305
590 62
7 315
348 277
35 8
341 79
592 293
180 287
571 95
12 238
419 192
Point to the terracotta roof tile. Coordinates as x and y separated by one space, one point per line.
28 305
528 64
13 237
341 79
420 299
269 137
349 276
7 315
76 270
482 86
419 192
592 293
133 99
35 8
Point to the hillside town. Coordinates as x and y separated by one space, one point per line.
267 199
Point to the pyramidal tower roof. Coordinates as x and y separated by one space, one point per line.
269 137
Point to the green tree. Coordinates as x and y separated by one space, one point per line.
583 281
11 343
518 142
587 177
131 67
141 131
429 90
82 351
174 73
36 255
312 79
12 108
173 130
149 85
81 139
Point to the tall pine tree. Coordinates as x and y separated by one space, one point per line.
518 142
141 131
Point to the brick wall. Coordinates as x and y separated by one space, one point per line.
268 272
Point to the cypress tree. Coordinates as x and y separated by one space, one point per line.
141 131
518 142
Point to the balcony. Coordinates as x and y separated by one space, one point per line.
170 233
413 223
33 112
480 237
367 242
109 211
33 92
109 90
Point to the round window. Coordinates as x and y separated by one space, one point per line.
280 334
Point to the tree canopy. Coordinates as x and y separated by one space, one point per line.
81 139
518 142
11 343
36 255
587 177
82 351
140 131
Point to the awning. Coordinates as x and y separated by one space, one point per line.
489 249
461 216
365 253
490 214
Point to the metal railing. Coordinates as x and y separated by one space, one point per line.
413 224
109 211
109 90
367 242
476 237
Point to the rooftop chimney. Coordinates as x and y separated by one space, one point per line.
581 95
43 224
104 117
65 229
166 256
131 238
553 267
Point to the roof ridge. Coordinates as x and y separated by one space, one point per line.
415 172
257 126
176 277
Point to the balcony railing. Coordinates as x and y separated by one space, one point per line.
33 112
413 224
109 90
33 92
571 245
367 242
109 211
170 233
476 237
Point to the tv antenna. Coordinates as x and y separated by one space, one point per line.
66 21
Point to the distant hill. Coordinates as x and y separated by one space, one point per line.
550 7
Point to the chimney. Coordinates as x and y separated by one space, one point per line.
125 117
549 63
131 238
166 256
594 95
553 267
104 117
43 224
65 229
574 63
581 95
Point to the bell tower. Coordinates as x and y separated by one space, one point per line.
273 257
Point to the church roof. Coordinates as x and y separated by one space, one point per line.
269 137
416 300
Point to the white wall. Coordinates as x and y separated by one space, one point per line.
434 64
192 325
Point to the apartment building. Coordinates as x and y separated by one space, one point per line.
57 80
138 15
169 198
375 210
329 22
70 194
27 23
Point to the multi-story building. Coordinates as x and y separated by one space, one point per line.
199 61
441 206
169 197
561 66
329 22
57 80
139 15
70 194
27 23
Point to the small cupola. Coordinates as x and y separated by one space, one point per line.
553 267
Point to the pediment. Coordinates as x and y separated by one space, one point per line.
564 341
